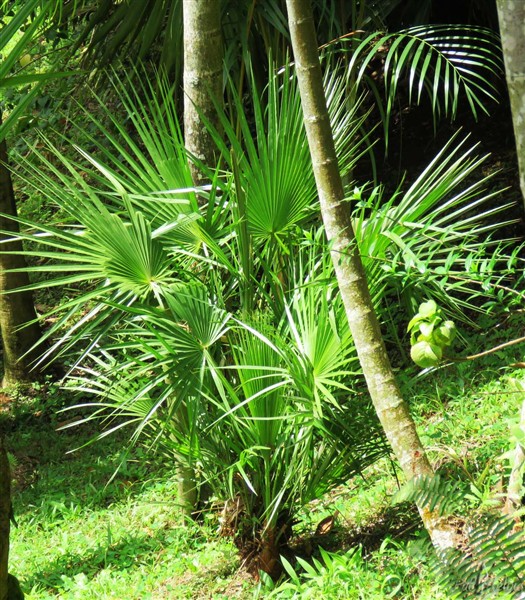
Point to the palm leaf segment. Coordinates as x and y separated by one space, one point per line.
445 62
435 237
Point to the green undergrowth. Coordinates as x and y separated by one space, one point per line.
86 533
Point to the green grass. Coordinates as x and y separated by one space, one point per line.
83 535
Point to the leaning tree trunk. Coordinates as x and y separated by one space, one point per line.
202 77
391 409
17 308
511 17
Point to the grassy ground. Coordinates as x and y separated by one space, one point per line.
83 535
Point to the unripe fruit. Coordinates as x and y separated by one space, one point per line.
25 60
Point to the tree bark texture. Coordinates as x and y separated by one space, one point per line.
9 585
17 308
187 489
202 81
202 77
390 406
511 15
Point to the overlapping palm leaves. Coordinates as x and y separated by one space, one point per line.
243 404
447 63
443 59
264 400
434 237
117 255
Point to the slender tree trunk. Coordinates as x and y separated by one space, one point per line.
9 586
511 15
391 409
202 85
5 522
202 77
17 308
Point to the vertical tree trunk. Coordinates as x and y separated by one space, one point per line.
9 586
202 85
15 309
389 404
202 76
511 15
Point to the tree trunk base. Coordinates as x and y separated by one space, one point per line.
14 591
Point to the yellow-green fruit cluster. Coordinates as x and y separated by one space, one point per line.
430 335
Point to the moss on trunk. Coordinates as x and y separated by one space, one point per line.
16 309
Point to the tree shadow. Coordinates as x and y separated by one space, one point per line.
400 522
46 474
125 554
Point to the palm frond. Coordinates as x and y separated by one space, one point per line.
437 234
114 29
444 62
26 23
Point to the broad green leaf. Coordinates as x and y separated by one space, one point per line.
444 334
426 329
425 354
428 309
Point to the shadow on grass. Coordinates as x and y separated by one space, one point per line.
45 473
123 555
400 522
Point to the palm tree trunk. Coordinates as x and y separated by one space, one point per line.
202 77
390 406
17 308
202 84
511 17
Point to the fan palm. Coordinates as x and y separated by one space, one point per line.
243 404
158 332
142 228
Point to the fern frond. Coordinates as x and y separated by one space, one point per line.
489 565
435 493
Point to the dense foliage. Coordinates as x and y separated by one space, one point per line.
205 322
